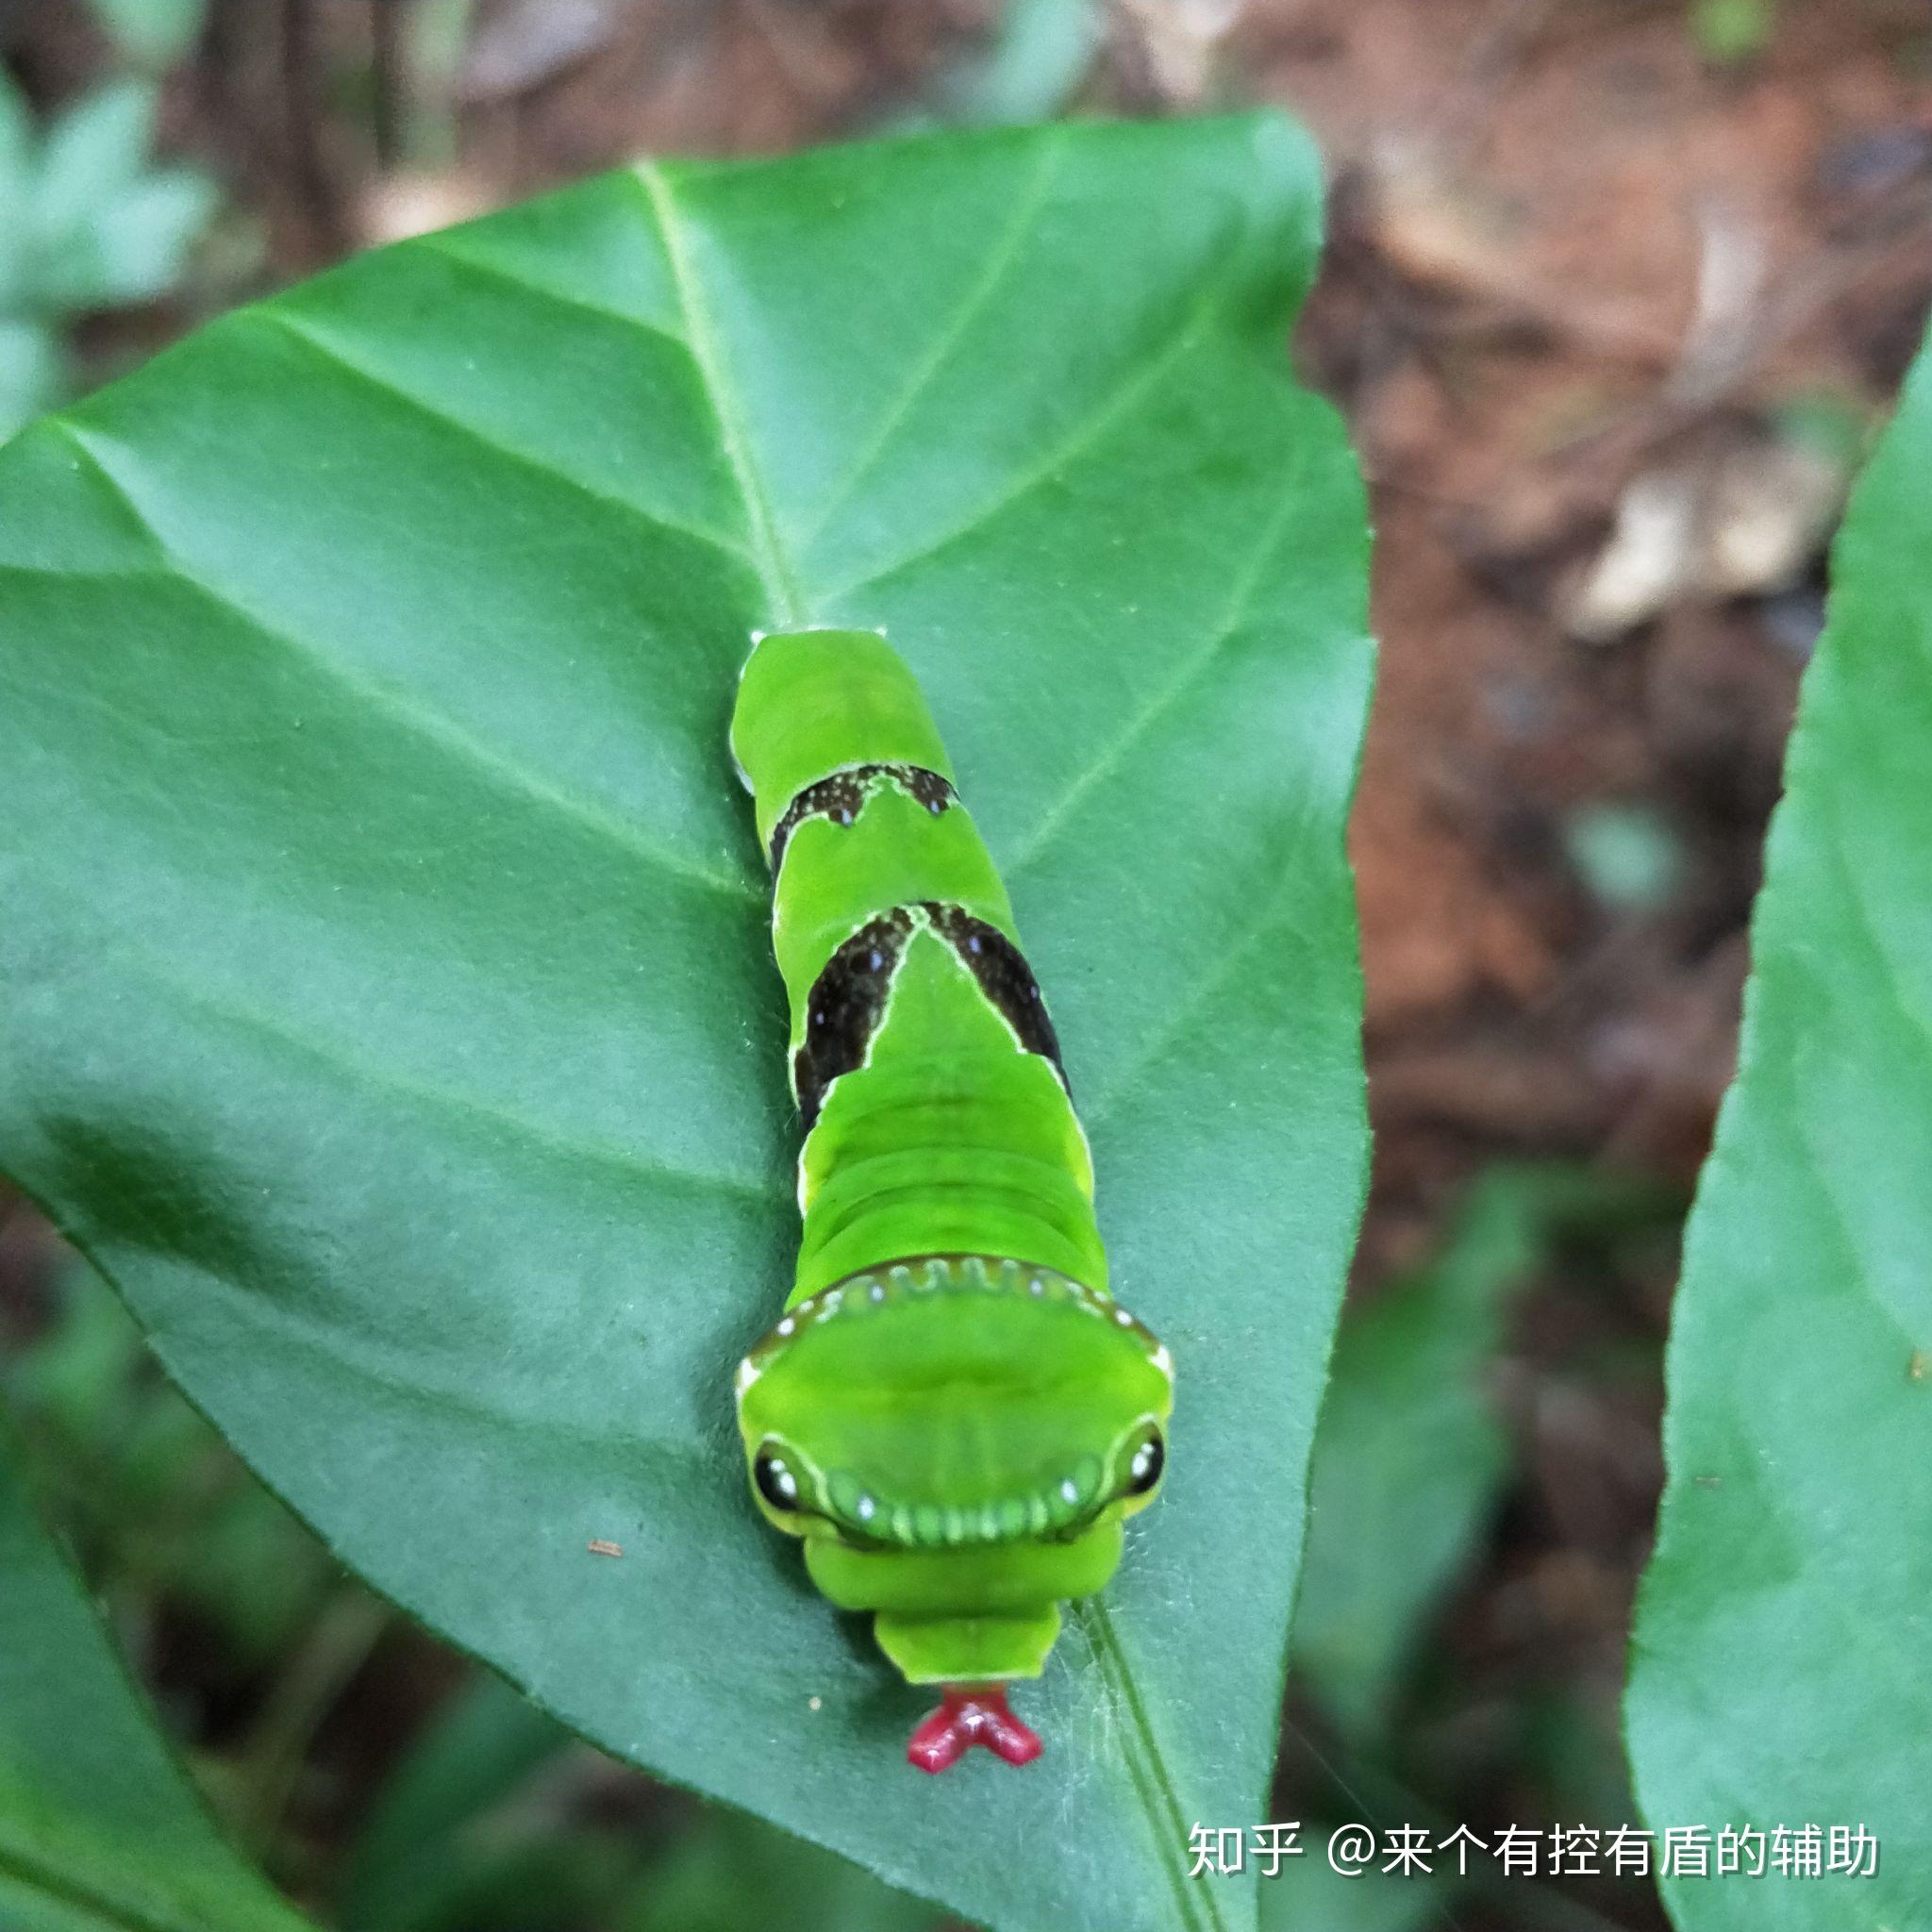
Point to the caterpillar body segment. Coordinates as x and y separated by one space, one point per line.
952 1411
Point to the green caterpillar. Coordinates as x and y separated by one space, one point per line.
953 1413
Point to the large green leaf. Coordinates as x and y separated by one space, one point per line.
1412 1455
99 1830
728 1874
414 1851
1782 1668
153 1500
1307 1894
387 1006
465 1835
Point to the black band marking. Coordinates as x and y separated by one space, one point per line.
1003 976
848 999
844 794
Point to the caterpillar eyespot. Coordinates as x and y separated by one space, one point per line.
949 1245
774 1480
1144 1468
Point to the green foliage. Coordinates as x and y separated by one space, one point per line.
154 1499
32 370
1779 1670
435 1836
99 1830
730 1873
384 992
1408 1458
1628 855
478 1830
1307 1894
152 33
1731 31
1038 59
468 1835
89 225
1412 1456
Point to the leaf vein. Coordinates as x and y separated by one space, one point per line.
1202 992
1118 403
305 333
1166 1820
383 1077
999 263
421 721
444 245
1191 669
52 1885
74 437
781 588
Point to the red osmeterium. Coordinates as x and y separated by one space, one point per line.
972 1714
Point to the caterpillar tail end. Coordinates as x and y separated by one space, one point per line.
972 1714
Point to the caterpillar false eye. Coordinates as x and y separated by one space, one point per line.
1145 1464
950 1379
772 1475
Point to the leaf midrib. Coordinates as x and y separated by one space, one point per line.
785 602
1000 260
1161 1807
73 1892
397 703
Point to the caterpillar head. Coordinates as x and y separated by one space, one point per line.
956 1440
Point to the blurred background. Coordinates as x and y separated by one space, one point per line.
1616 292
